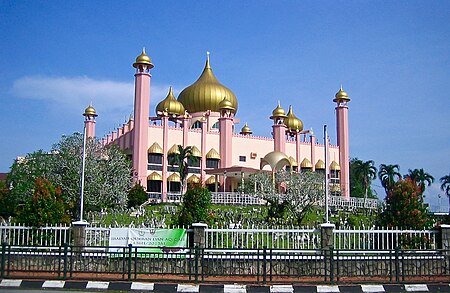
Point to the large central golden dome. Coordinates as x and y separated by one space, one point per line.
206 93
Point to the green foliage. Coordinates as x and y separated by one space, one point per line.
420 177
181 159
46 207
136 196
445 184
361 176
388 175
196 207
107 174
6 203
293 192
404 207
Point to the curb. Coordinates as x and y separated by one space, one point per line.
203 288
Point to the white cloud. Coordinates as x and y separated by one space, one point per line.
75 93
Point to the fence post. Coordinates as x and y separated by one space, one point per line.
79 235
327 245
199 235
66 246
3 259
444 230
397 265
264 268
130 247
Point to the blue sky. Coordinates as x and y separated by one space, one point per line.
392 58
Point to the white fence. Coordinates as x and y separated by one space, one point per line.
236 198
383 239
236 236
20 235
287 238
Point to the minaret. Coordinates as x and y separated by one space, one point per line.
143 65
89 121
279 129
341 99
226 132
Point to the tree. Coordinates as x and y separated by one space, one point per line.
365 171
404 206
295 192
388 175
6 204
420 177
107 174
46 207
445 186
181 159
24 172
196 207
137 196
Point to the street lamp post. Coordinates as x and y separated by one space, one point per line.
325 139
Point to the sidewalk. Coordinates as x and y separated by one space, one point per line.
172 288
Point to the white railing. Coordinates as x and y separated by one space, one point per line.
233 198
384 239
20 235
97 236
353 202
254 238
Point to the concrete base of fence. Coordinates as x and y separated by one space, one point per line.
79 233
167 287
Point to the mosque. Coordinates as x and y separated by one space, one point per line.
203 117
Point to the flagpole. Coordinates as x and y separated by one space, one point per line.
325 139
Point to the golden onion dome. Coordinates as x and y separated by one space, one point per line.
213 154
90 111
292 122
154 176
293 162
246 130
155 148
320 165
225 104
278 112
335 166
196 152
174 178
143 59
193 179
341 96
206 93
170 105
173 150
306 164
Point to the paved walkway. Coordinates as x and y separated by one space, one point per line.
172 288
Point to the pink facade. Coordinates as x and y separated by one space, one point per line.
213 132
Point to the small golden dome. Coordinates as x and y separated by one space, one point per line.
173 150
341 96
210 180
196 152
155 148
193 179
90 111
293 162
206 93
213 154
320 165
246 130
278 112
335 166
170 105
154 176
225 104
143 59
292 122
174 178
306 164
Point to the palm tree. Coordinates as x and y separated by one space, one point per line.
420 177
181 159
367 172
388 175
445 186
